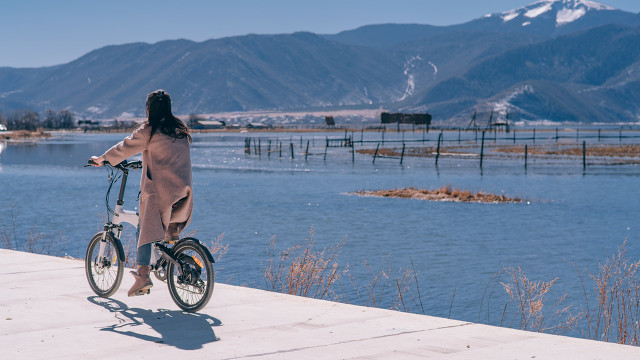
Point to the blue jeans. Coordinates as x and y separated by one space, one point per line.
143 257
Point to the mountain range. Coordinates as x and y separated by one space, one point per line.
560 60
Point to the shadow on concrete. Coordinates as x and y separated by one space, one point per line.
187 331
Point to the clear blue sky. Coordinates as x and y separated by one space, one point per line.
49 32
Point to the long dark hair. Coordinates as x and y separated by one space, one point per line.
161 118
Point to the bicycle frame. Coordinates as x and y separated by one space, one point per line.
120 216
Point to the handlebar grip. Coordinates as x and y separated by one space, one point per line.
90 162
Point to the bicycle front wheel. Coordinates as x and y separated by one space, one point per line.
103 265
191 284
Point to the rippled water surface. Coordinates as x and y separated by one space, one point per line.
573 218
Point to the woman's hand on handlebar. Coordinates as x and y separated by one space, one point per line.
96 160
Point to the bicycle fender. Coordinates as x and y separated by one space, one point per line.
119 245
207 252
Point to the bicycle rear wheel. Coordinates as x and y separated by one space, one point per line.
103 265
190 285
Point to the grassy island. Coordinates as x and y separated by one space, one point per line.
445 193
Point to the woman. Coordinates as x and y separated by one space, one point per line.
166 187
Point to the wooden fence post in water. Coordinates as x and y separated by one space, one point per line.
438 148
291 147
269 150
402 155
482 150
306 152
325 150
353 153
526 153
534 135
383 137
584 155
376 153
247 146
280 149
259 147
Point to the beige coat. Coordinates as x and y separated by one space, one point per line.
166 186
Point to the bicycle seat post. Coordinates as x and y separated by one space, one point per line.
123 185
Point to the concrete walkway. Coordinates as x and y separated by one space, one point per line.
47 311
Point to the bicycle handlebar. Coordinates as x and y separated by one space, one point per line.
123 165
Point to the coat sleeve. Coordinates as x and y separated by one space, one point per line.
129 146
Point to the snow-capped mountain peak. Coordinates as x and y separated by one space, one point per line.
564 11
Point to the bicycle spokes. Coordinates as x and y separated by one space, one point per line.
103 265
191 279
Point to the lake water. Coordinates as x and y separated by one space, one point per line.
573 218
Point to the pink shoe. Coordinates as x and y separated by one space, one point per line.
143 282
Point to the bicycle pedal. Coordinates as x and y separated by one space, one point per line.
143 292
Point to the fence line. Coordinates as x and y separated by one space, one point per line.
549 137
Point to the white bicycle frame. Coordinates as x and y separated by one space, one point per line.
120 216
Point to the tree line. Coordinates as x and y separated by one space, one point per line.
31 120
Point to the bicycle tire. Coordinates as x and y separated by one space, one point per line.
191 291
104 273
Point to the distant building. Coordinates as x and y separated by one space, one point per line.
400 118
256 126
88 124
329 121
209 124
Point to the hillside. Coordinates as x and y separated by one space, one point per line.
231 74
564 79
563 60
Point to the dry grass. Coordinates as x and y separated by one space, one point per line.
531 309
611 310
130 246
396 289
426 151
35 241
25 134
615 316
217 249
623 150
302 270
623 153
444 193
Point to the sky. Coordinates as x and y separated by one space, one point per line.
37 33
